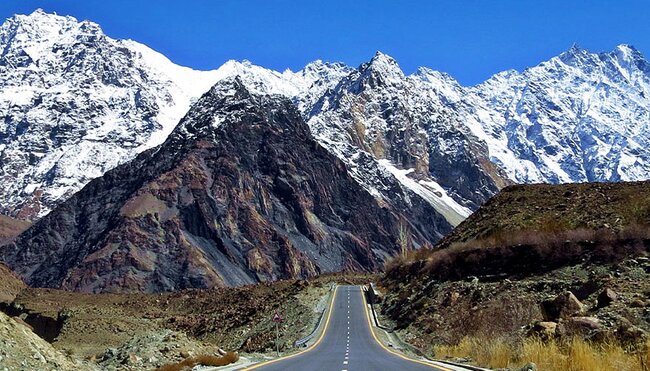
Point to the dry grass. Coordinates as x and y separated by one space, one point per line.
522 251
573 355
204 360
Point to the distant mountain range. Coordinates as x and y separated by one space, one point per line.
76 103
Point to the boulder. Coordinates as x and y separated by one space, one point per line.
451 298
578 326
632 334
564 305
638 303
606 297
530 366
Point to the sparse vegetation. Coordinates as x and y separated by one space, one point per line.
522 252
203 360
573 355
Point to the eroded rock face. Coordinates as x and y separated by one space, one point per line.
239 193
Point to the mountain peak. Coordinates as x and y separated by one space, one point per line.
381 59
576 55
384 66
628 53
40 18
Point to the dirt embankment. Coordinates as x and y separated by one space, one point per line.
10 285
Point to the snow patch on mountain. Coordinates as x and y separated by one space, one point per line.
432 192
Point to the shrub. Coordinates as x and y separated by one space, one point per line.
204 360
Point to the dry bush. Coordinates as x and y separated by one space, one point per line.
408 257
521 252
573 355
204 360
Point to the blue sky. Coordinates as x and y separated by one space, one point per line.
469 39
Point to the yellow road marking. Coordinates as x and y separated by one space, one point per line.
372 331
320 338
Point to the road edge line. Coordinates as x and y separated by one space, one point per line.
310 348
392 351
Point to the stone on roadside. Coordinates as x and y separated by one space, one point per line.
638 303
578 326
564 305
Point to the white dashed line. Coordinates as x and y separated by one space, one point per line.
345 362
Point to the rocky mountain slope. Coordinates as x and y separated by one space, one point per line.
75 103
538 265
10 228
239 193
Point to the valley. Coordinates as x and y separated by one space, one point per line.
154 216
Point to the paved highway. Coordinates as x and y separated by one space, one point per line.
347 343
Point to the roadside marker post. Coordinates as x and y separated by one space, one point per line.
277 318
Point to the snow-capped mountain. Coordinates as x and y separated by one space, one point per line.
75 103
578 117
392 128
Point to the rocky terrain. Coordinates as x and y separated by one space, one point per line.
239 193
536 261
21 349
145 331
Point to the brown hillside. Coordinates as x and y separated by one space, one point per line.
545 208
10 228
10 285
538 269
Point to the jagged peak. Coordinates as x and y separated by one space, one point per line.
381 61
627 52
227 103
574 51
229 83
40 29
40 18
319 64
427 74
384 66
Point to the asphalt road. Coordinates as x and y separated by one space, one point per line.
348 343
